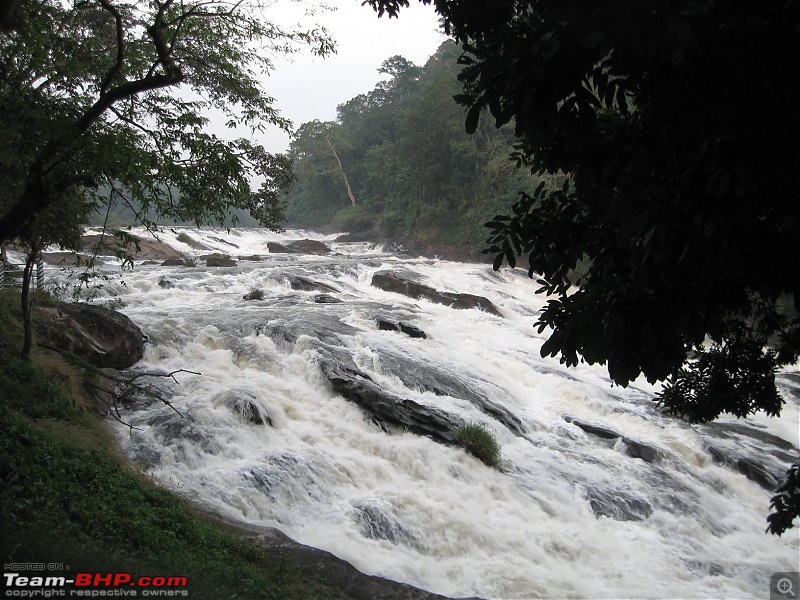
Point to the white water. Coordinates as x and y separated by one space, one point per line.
405 507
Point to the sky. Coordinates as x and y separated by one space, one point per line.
310 87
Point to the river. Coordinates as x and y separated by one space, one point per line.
599 495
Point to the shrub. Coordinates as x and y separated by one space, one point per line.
185 238
480 443
254 294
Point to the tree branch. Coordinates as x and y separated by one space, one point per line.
120 46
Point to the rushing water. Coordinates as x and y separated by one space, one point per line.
571 513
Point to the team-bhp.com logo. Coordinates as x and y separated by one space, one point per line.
93 585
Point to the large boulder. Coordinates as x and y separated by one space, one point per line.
298 247
298 282
101 337
393 282
308 247
220 261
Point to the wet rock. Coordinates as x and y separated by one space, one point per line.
632 448
754 470
172 262
165 283
308 247
321 565
174 430
378 523
409 330
299 247
101 337
326 299
641 450
276 248
591 428
305 284
751 432
412 330
393 282
426 376
220 261
618 505
387 408
246 403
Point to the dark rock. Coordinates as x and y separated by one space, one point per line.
102 337
172 262
751 468
326 299
386 325
426 376
392 282
219 261
640 450
409 330
385 407
276 248
323 566
599 431
308 247
165 283
378 523
633 448
298 282
412 330
618 505
246 403
752 432
299 247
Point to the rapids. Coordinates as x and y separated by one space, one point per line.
598 496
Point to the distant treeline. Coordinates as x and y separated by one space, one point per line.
397 161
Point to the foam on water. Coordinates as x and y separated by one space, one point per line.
569 514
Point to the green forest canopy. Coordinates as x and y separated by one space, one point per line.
398 162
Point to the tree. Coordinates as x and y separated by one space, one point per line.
675 126
102 95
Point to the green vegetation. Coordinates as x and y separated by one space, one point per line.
255 294
397 161
90 117
479 442
185 238
67 498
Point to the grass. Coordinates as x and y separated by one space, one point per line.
184 238
479 442
68 497
254 294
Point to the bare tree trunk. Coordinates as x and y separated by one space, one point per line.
30 262
344 175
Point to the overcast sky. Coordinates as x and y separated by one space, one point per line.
311 88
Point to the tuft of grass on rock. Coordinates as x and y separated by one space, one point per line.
479 442
254 294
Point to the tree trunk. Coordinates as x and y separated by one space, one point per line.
30 262
344 175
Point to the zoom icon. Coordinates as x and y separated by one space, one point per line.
783 586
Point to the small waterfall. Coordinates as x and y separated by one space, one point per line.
311 417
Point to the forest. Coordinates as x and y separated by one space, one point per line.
398 164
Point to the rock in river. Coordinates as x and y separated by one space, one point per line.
102 337
392 282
